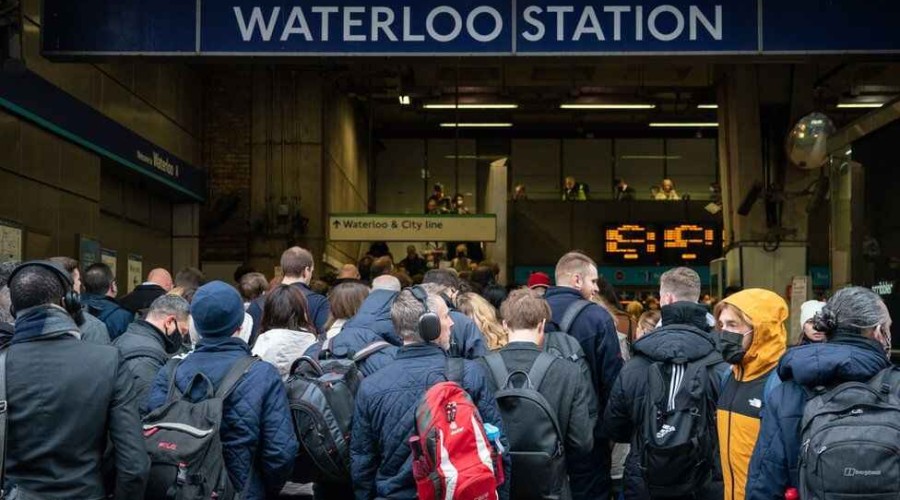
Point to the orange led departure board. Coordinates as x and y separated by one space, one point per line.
662 244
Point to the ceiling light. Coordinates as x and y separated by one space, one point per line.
607 106
404 100
471 106
707 106
684 124
476 125
860 105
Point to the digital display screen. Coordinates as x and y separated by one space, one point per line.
662 244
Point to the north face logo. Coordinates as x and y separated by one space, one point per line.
167 446
665 431
851 472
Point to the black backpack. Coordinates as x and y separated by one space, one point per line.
677 454
850 441
535 439
182 439
322 396
559 343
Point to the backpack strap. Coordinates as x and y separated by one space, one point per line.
572 313
234 375
4 418
369 350
498 369
325 351
170 369
540 368
455 370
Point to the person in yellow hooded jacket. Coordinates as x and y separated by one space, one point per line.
752 339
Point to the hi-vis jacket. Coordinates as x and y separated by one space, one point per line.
742 397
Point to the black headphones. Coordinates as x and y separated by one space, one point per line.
71 300
429 327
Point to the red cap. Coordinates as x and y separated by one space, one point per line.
539 279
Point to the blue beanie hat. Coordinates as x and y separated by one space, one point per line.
217 310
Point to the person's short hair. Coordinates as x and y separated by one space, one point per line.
241 271
286 307
444 277
346 298
404 278
97 279
648 321
189 277
482 276
35 286
722 306
6 270
682 282
169 304
67 263
253 285
524 309
295 260
381 266
387 282
406 311
573 263
495 294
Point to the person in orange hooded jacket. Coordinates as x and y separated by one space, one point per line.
753 338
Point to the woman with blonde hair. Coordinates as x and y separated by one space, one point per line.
485 316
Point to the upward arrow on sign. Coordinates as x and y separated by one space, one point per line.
337 224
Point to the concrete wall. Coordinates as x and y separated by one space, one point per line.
283 148
57 190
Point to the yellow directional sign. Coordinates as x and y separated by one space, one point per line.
367 227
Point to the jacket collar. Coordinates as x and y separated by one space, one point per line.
685 313
421 350
222 344
521 346
564 290
43 322
147 329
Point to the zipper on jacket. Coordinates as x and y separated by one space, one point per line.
730 413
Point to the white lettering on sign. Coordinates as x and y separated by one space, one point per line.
158 162
412 228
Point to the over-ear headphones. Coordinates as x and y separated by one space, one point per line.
429 327
71 300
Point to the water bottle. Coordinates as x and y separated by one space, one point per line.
493 435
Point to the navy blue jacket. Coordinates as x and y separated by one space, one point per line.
257 432
381 461
775 462
350 341
107 310
595 330
319 309
375 315
466 340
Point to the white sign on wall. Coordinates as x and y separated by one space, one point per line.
353 227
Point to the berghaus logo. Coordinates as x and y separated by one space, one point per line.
851 472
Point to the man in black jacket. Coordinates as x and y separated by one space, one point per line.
569 394
159 283
683 338
66 399
148 343
92 329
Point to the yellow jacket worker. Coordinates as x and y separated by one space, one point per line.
752 340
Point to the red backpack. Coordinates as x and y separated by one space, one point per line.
452 456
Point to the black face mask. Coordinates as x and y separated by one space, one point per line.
173 342
731 345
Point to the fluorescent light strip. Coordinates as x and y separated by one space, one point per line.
471 106
684 124
860 105
607 106
707 106
476 125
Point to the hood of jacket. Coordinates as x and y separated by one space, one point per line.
839 360
768 313
686 313
44 322
375 314
675 343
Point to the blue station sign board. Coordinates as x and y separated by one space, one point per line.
478 27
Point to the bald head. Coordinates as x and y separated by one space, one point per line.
349 272
161 277
386 282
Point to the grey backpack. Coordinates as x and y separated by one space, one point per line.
850 439
182 439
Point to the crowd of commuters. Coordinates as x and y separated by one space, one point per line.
574 394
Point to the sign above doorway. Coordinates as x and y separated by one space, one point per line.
465 27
